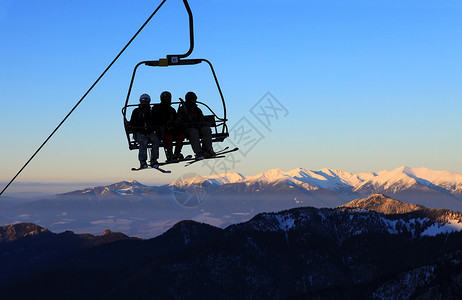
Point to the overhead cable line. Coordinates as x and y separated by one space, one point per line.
85 95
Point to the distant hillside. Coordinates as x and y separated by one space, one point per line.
18 231
28 248
383 204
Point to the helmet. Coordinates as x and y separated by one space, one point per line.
166 98
191 97
165 94
145 98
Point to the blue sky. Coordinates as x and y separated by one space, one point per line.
366 85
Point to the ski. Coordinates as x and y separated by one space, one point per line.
156 168
218 154
186 158
222 150
205 158
225 150
189 160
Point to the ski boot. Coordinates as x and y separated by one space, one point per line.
179 156
210 154
170 156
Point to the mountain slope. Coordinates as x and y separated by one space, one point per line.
400 178
438 189
383 204
123 188
346 252
28 248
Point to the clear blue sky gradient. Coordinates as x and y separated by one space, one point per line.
368 85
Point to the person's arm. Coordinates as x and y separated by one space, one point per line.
134 118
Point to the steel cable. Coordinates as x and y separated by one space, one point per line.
85 95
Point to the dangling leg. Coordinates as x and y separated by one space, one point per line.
143 149
154 149
193 137
168 141
206 134
179 137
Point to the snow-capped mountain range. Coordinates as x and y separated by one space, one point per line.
303 187
393 181
330 188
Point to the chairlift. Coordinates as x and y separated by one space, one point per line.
216 122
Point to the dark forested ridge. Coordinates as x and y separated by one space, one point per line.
347 252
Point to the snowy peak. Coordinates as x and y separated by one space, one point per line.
441 189
271 175
307 179
210 181
432 175
444 179
383 204
123 188
405 178
126 187
123 185
388 182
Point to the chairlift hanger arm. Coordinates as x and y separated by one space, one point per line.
181 62
191 31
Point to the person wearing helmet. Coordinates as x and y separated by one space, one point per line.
144 131
165 115
192 118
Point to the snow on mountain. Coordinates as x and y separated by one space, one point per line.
405 178
389 181
432 221
122 188
307 179
326 178
322 188
402 178
375 214
127 185
450 226
358 218
211 181
445 179
301 177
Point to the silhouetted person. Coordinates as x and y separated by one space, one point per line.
192 118
142 123
165 116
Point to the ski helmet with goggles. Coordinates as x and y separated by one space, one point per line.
191 97
145 98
